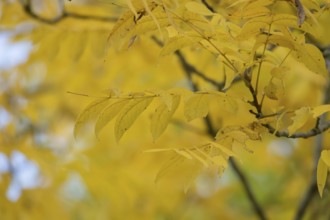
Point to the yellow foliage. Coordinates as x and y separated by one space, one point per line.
248 74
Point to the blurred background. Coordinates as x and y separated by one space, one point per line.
54 60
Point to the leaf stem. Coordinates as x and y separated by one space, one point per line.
261 61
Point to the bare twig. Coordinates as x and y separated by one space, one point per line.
212 132
311 133
318 129
190 69
312 187
208 5
240 174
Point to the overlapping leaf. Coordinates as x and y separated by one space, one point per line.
162 116
129 114
299 120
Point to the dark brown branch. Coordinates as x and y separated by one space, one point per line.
190 69
311 133
312 188
208 5
64 15
240 174
318 129
212 132
248 190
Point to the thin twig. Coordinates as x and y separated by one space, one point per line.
240 174
246 185
192 69
208 5
312 188
311 133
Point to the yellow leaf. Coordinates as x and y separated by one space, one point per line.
299 120
325 155
282 41
162 116
253 12
271 90
89 113
123 26
174 161
157 150
230 76
197 106
172 31
220 161
179 42
129 114
108 114
229 103
312 58
167 99
279 72
198 8
183 153
223 149
197 157
319 110
132 8
322 172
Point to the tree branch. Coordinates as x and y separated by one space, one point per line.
208 6
212 132
190 70
311 133
312 188
240 174
318 129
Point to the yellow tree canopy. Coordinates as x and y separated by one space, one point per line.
147 109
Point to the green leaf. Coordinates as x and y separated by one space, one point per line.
162 116
129 114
